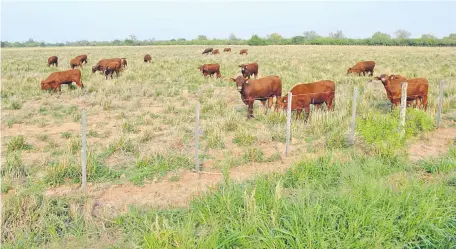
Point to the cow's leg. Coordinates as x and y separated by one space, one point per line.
307 112
111 74
250 109
270 101
298 113
424 102
218 74
265 106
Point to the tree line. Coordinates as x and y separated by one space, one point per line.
402 38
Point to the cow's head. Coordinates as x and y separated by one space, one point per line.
94 69
200 68
45 85
240 81
243 67
281 103
352 70
383 78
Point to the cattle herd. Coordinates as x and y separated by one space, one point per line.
263 89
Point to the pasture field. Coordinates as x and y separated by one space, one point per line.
384 192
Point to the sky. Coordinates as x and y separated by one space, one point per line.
60 21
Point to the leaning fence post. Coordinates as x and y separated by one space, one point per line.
84 151
439 112
351 138
403 108
197 134
288 123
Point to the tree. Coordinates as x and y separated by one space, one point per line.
255 40
232 37
275 38
202 38
402 34
310 35
428 36
452 36
337 35
381 36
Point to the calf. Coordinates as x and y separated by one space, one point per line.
227 50
362 67
147 58
417 90
207 50
262 89
210 69
53 60
305 94
249 69
111 67
243 51
56 79
215 51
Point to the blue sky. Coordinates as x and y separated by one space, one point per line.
60 21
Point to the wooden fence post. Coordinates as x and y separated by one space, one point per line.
84 152
288 123
403 108
197 134
439 111
351 138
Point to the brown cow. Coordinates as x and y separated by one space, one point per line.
362 67
111 67
75 62
147 58
305 94
227 50
417 90
82 58
207 50
244 51
215 51
124 62
100 66
53 60
262 89
56 79
210 69
249 69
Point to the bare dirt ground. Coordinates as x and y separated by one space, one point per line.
113 199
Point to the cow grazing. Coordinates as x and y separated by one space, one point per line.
207 50
249 69
227 50
305 94
147 58
417 90
215 51
210 69
362 67
100 66
75 62
111 67
82 58
262 89
124 62
56 79
53 60
244 51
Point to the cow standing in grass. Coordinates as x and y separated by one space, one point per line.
56 79
305 94
417 90
53 60
262 89
249 69
210 69
362 67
